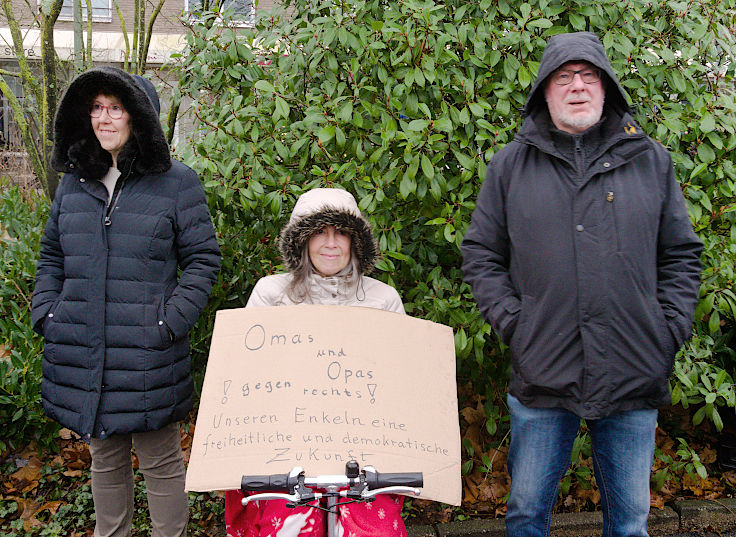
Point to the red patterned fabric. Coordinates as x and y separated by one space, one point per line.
381 518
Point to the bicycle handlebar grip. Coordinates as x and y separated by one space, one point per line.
377 480
264 483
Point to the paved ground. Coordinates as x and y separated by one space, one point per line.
690 518
703 534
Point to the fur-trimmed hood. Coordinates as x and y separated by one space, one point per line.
322 207
76 147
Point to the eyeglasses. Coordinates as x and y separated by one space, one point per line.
115 111
563 77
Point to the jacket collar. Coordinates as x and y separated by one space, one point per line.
94 186
539 131
329 286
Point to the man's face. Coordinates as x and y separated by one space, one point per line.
577 106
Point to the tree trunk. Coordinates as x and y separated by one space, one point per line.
136 23
126 63
50 180
172 116
30 84
35 119
149 33
88 51
141 60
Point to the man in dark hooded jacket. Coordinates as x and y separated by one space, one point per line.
582 257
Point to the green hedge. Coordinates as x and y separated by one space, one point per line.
404 102
22 217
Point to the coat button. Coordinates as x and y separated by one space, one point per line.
579 227
81 179
51 314
606 164
586 317
160 323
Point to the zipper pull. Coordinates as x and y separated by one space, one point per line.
107 221
609 197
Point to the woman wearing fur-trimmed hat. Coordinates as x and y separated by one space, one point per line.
328 247
128 258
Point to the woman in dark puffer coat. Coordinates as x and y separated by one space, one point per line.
114 313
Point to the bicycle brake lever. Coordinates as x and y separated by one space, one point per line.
269 496
391 490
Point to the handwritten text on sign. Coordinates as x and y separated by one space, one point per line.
316 386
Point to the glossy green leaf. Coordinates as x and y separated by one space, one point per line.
326 133
707 123
427 167
264 86
418 125
705 153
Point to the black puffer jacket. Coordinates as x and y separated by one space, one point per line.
581 254
108 301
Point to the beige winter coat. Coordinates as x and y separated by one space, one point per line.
370 293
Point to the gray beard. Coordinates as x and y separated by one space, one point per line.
583 122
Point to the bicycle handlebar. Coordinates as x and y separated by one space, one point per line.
271 483
258 483
365 484
379 480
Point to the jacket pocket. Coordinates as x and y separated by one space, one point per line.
505 318
520 338
161 330
49 319
664 336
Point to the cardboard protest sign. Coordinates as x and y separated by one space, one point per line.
316 386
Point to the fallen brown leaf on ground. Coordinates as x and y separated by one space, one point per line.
186 443
73 473
76 455
494 487
708 455
474 416
498 458
471 483
26 478
590 494
656 501
68 434
26 511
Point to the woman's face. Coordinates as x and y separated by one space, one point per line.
112 133
329 250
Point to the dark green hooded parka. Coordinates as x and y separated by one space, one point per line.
581 254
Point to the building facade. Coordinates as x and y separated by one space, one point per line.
109 18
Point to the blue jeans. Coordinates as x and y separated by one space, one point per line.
541 444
